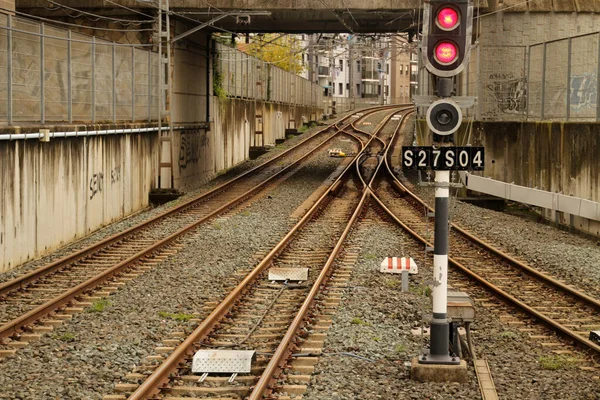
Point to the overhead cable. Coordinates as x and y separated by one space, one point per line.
74 25
130 9
118 20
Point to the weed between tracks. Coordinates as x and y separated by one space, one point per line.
181 317
555 362
65 337
358 321
99 305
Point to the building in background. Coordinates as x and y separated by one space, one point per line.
367 69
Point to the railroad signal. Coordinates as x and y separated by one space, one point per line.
444 117
447 30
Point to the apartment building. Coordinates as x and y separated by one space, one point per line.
375 69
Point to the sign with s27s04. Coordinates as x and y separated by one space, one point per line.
466 158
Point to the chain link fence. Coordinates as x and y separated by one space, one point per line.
49 74
555 80
247 77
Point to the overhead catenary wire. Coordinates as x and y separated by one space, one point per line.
350 12
117 20
75 25
337 16
130 9
98 42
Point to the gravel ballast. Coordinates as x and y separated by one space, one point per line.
375 319
148 213
84 357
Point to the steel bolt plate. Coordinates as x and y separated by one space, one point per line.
223 361
288 274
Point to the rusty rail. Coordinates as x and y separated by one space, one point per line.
503 294
15 325
284 350
22 281
151 386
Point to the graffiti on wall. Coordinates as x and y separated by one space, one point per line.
509 93
191 144
583 92
96 184
97 181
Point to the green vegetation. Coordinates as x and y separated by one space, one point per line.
181 317
99 305
65 337
358 321
421 290
392 283
370 256
217 226
245 213
555 362
377 339
508 335
218 89
400 348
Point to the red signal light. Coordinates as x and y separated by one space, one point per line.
447 19
446 53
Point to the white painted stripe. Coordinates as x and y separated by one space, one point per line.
440 286
442 176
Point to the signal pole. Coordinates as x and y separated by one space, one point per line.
447 31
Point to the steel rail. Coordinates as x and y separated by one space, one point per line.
503 294
151 386
284 350
561 328
21 281
594 302
13 326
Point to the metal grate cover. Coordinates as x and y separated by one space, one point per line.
223 361
288 274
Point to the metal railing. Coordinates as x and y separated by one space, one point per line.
49 74
248 77
554 80
549 81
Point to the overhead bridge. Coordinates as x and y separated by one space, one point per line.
302 16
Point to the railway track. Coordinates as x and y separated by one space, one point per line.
32 304
566 310
271 318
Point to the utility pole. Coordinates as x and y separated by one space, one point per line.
166 170
351 76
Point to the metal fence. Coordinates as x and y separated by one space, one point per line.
49 74
248 77
555 80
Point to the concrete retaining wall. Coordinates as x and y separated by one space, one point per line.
54 193
556 157
200 155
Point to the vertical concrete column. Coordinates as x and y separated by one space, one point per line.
42 83
9 70
69 76
93 105
132 84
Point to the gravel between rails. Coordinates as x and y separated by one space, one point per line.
150 212
375 319
83 358
563 255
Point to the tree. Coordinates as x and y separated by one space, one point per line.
280 50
